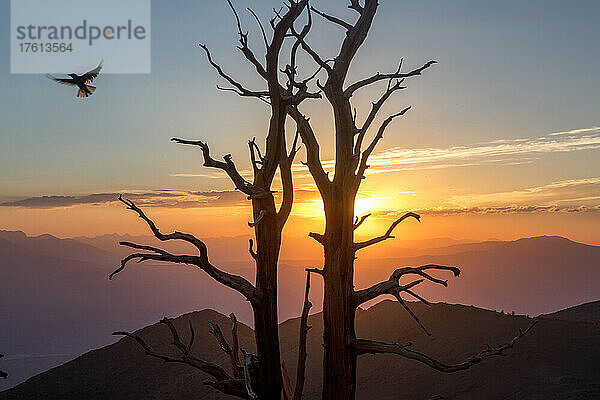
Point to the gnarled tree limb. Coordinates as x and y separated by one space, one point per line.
223 381
241 90
358 222
228 166
387 234
317 236
379 77
367 152
364 346
313 160
392 285
287 183
215 330
333 19
235 282
375 107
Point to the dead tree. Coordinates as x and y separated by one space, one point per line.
268 220
352 152
341 346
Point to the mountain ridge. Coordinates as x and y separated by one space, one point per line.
536 368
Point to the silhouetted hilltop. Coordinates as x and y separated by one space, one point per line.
556 360
49 245
587 312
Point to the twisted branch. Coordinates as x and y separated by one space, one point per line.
392 285
375 107
241 90
379 77
228 166
367 152
223 381
364 346
235 282
333 19
387 234
358 222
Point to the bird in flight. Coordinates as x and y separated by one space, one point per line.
81 81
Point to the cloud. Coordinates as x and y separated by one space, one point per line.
182 175
153 198
503 152
515 151
512 209
570 192
568 196
594 129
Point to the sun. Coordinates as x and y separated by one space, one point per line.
364 205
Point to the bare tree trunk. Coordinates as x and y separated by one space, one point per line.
339 364
266 333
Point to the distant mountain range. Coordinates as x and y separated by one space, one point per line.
57 301
557 360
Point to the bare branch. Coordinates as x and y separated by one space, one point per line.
304 328
242 91
358 222
251 248
285 170
224 382
313 161
375 107
228 166
355 5
250 361
416 296
364 346
312 53
316 271
235 282
260 25
236 367
412 314
333 19
172 236
235 349
367 152
355 37
317 236
388 233
392 285
244 43
379 77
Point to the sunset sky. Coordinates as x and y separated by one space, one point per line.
502 141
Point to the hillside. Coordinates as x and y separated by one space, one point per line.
542 366
587 312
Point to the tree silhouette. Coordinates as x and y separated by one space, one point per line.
341 346
268 220
260 376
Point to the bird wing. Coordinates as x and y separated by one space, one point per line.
67 81
89 77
